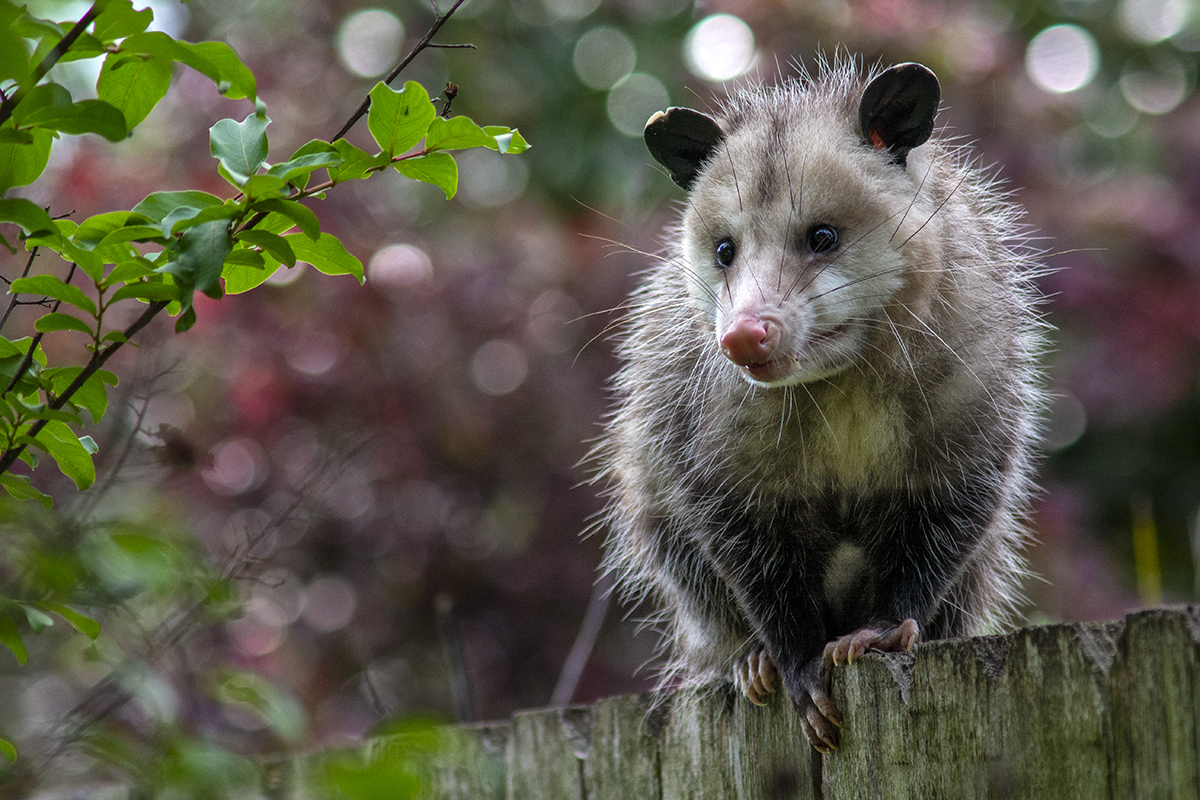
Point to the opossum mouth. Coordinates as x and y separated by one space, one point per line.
789 368
771 371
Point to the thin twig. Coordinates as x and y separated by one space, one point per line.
426 41
108 695
585 641
97 361
12 303
23 367
47 63
94 364
462 699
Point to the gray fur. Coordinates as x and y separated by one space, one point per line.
917 344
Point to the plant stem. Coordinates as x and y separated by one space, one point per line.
426 41
47 63
12 303
98 359
94 364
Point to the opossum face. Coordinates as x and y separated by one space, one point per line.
797 218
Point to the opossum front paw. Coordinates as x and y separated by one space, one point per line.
754 675
850 647
819 715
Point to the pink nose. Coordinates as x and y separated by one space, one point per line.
749 340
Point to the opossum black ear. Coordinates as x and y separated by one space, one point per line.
681 139
898 107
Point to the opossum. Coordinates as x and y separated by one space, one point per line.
827 412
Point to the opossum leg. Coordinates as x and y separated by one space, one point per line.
880 638
813 699
754 675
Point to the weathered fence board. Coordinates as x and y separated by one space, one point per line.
1105 710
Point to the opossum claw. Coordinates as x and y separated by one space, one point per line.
754 675
881 639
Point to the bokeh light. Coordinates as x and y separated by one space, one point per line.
1062 58
570 10
238 465
604 56
1154 87
329 603
499 367
368 41
399 265
719 47
633 100
1152 21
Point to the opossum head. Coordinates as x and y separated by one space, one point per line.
798 213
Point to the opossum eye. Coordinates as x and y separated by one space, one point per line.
823 238
726 251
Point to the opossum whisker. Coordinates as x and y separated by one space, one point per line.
733 170
937 210
832 261
912 202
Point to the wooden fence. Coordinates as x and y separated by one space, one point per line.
1087 711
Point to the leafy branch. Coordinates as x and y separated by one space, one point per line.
158 254
204 243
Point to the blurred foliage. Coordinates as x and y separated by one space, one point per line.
359 451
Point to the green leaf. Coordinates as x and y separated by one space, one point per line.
326 254
9 750
399 119
271 243
148 291
241 278
50 106
300 214
119 20
356 163
14 57
14 136
92 263
133 233
262 186
61 322
509 141
80 622
93 230
456 133
202 253
52 286
10 637
219 62
182 222
92 395
22 164
243 257
133 85
186 320
278 708
58 441
126 271
19 487
439 169
158 205
302 164
39 98
30 216
216 60
241 147
38 620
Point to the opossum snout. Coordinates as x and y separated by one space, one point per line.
750 340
